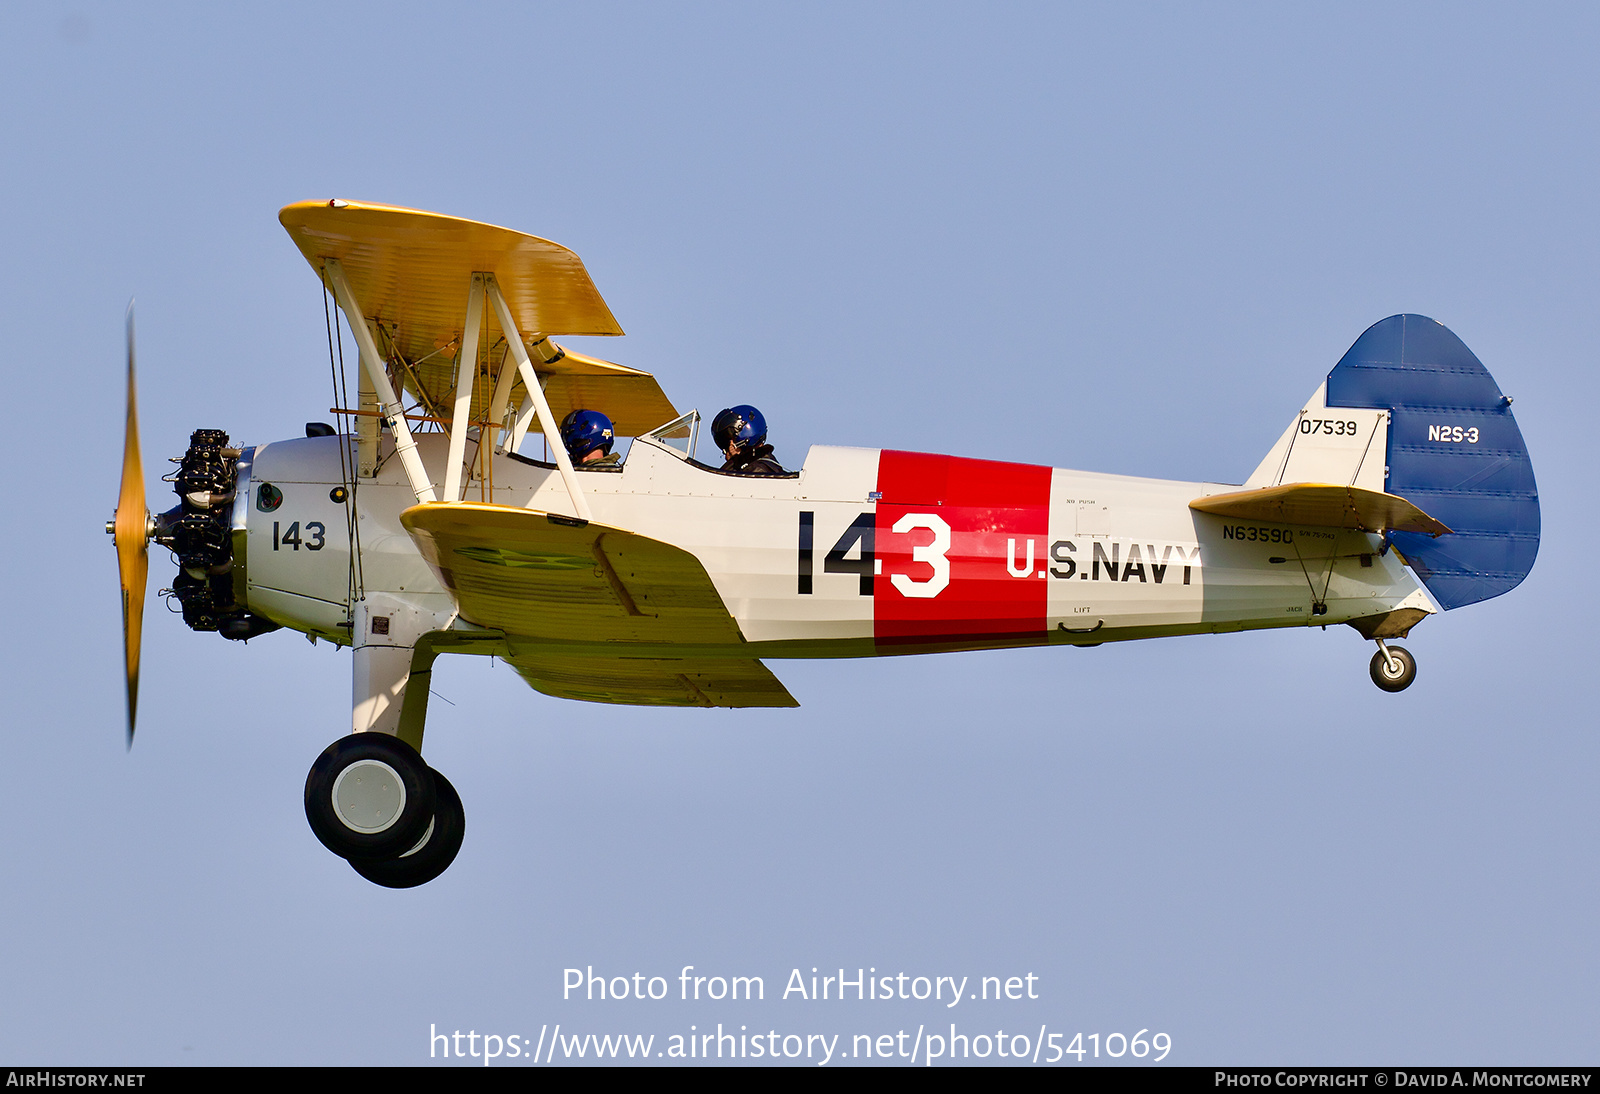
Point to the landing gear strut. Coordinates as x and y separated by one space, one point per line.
1393 668
370 797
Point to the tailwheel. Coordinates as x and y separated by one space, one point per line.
1393 668
369 795
432 855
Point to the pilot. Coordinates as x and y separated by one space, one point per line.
588 437
741 433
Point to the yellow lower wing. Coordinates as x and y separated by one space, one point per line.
656 681
590 611
1323 505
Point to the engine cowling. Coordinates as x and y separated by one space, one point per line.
199 532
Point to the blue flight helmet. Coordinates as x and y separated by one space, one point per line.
743 425
583 431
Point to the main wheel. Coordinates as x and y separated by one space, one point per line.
369 795
433 854
1400 676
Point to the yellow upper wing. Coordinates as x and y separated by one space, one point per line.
1323 505
411 270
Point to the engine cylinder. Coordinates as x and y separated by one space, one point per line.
197 532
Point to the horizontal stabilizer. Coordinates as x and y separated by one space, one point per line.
1323 505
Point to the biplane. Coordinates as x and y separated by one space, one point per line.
419 526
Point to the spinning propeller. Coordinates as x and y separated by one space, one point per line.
198 531
131 531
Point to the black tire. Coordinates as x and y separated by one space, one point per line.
423 864
398 790
1392 681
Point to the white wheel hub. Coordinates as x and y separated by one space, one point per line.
369 796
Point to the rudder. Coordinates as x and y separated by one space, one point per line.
1454 451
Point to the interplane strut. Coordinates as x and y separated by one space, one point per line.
530 380
372 365
466 372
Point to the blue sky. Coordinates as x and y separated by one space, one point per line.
1118 238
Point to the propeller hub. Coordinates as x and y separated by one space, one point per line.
152 525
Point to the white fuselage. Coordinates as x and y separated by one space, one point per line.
927 552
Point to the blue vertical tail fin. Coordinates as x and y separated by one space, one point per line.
1454 451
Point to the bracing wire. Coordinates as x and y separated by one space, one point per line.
355 578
